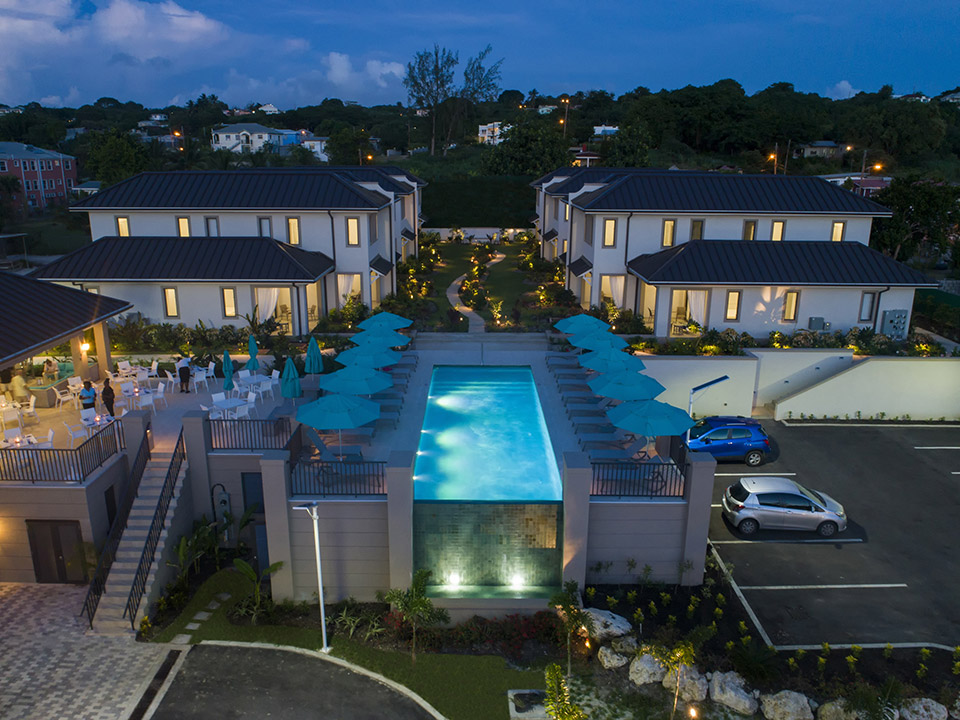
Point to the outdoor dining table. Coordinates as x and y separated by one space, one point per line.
25 441
135 394
96 422
228 404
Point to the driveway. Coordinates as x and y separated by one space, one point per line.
52 668
246 682
893 575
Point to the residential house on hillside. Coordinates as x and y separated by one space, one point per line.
755 253
45 176
605 130
292 243
316 145
827 149
269 109
251 137
492 133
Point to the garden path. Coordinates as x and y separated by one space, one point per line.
476 323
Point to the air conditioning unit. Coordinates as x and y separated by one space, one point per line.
818 324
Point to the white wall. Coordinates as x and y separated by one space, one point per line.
679 374
923 388
784 372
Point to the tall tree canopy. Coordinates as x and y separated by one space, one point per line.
925 219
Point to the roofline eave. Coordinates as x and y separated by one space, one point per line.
78 208
771 213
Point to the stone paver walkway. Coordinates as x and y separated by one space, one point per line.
185 638
50 667
476 323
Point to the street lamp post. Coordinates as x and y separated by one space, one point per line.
566 108
311 509
695 390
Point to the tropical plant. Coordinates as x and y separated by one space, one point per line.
673 659
254 604
574 619
187 555
414 607
558 703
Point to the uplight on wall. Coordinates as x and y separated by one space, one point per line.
454 582
516 581
84 346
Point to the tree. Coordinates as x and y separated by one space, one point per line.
348 147
673 659
558 704
533 146
115 156
574 619
925 218
627 148
9 187
414 607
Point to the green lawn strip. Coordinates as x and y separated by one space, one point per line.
48 236
504 281
468 687
456 259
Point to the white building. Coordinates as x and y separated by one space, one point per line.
250 137
755 253
316 145
492 133
269 109
605 130
214 246
546 109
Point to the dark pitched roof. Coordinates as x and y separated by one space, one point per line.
195 259
259 188
739 262
549 234
680 191
381 265
408 233
41 314
374 173
580 266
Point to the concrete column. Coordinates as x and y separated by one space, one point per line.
275 471
134 426
79 357
101 337
196 440
577 477
699 475
399 478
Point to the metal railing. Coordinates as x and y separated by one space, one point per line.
313 477
28 464
637 479
99 582
250 434
156 528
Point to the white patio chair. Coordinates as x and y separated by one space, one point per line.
199 378
126 387
10 417
142 378
242 411
219 397
62 397
252 402
147 401
89 414
153 372
213 413
76 432
275 378
243 373
171 378
211 370
123 366
263 387
46 444
31 409
160 396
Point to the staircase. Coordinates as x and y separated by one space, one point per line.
109 619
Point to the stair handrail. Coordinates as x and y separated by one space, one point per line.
109 552
156 527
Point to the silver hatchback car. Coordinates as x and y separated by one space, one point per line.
775 503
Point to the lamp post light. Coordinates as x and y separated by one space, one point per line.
566 109
699 388
311 509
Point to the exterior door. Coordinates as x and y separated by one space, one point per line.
57 550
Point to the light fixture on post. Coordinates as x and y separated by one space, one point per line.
85 346
695 390
311 509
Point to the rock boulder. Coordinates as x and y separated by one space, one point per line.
727 689
693 686
611 659
606 624
626 645
922 709
646 669
786 705
835 710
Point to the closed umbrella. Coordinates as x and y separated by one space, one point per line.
371 356
314 362
651 418
354 380
610 360
384 321
383 338
252 364
337 412
626 385
290 380
598 341
582 323
227 372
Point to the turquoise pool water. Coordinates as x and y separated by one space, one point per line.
484 438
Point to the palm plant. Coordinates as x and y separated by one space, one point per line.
414 607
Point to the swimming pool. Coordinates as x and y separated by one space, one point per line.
484 438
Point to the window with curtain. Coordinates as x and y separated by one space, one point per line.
293 230
609 232
776 231
836 234
265 227
791 302
697 306
732 313
213 226
267 302
123 227
696 229
669 229
611 288
183 226
353 231
348 285
868 302
749 229
171 308
229 296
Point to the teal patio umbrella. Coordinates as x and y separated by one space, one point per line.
290 380
354 380
626 385
650 418
610 360
338 412
227 371
314 362
371 356
579 324
598 341
384 338
384 321
252 364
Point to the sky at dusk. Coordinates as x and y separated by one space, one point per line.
294 52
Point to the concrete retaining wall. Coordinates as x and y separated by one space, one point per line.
679 374
785 372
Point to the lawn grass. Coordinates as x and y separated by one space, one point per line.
504 281
51 236
461 687
456 262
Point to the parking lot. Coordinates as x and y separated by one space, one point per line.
893 575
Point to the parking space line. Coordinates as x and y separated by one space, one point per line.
824 541
936 447
866 646
743 601
721 504
860 586
779 474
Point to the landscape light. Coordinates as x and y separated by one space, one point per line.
516 581
85 346
454 580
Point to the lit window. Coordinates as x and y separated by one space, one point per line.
867 303
669 228
183 226
123 227
776 232
749 229
566 211
696 229
265 227
353 231
732 313
791 300
213 226
170 306
836 235
229 302
293 230
93 290
609 233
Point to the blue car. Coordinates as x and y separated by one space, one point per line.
731 438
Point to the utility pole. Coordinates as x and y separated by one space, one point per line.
566 109
786 158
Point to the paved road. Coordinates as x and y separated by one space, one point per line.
49 667
903 505
233 683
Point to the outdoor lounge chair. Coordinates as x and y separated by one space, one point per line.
349 453
637 450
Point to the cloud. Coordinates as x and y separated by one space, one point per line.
296 44
340 72
379 71
841 91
